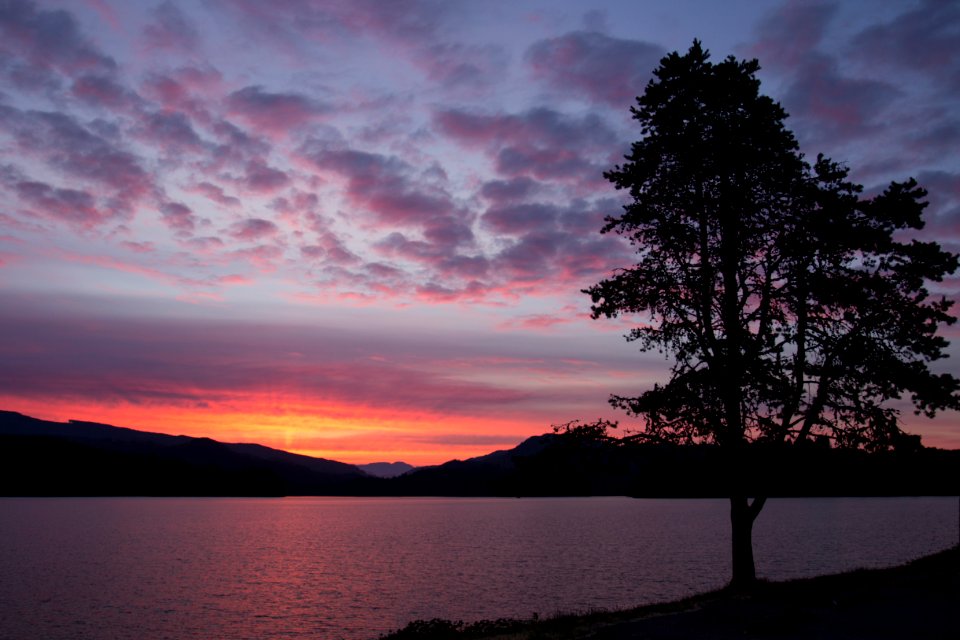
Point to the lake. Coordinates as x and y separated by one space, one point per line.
357 567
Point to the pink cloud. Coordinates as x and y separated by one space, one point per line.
510 190
537 322
260 177
922 37
172 132
383 186
331 250
541 127
235 147
549 164
178 217
215 193
459 66
604 69
834 107
139 247
143 361
170 31
554 248
521 218
943 215
829 105
75 207
274 113
69 146
792 32
253 229
50 40
548 248
163 276
539 143
473 291
103 91
436 255
205 244
188 89
233 279
408 23
263 256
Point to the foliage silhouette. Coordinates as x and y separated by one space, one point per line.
792 310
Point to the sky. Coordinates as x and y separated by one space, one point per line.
360 229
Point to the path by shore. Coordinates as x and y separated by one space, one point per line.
917 600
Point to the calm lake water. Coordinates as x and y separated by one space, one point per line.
354 568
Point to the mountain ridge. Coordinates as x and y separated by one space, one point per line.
39 457
98 458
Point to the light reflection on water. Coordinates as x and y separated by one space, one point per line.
354 568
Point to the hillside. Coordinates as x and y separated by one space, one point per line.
39 457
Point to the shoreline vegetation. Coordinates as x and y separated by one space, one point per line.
915 600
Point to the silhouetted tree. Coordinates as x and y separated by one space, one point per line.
790 306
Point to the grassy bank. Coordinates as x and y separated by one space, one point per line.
916 600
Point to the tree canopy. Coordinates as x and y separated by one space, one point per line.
793 307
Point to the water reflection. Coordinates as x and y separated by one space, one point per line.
353 568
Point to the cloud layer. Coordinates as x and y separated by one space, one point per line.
318 157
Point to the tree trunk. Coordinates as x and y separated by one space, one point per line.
742 515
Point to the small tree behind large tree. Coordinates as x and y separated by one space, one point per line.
790 305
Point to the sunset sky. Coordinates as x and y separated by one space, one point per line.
359 229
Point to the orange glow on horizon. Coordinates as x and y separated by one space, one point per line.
351 434
348 433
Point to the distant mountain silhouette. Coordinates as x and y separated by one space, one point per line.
386 469
38 457
568 465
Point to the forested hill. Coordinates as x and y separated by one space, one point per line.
38 457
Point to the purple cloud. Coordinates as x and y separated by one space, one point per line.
50 39
171 131
521 218
607 70
455 65
383 185
204 244
215 193
404 22
923 37
79 151
104 91
273 113
331 250
541 127
187 89
236 145
170 30
253 229
830 106
548 164
540 143
178 217
73 206
551 244
509 190
143 361
260 177
789 35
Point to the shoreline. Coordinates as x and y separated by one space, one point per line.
917 599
